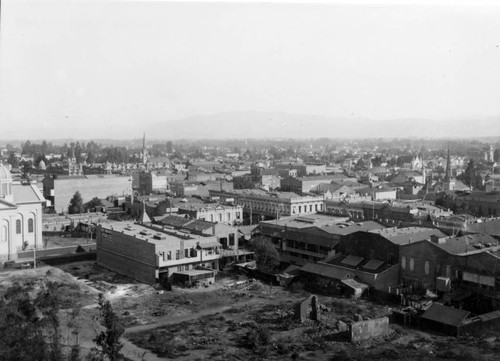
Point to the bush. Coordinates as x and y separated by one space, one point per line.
257 337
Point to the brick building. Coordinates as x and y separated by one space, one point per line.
158 254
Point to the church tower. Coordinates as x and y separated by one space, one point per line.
144 153
74 168
449 182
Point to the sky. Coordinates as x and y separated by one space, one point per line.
104 69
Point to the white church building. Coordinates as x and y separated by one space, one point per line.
20 216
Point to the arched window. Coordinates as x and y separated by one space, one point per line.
18 226
30 225
3 235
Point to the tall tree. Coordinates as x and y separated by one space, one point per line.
170 147
76 204
13 161
109 339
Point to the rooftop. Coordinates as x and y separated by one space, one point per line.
317 219
26 193
407 235
468 244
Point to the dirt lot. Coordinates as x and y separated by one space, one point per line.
234 319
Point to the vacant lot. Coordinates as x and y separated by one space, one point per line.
236 319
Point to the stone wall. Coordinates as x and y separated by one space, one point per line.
364 330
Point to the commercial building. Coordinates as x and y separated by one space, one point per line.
389 213
302 185
314 237
58 190
213 212
20 216
158 254
151 182
261 205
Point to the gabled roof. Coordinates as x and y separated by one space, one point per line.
198 225
324 271
174 221
446 315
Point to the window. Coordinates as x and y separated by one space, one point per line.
186 253
426 267
220 217
30 225
186 268
169 255
179 268
412 264
403 262
3 235
18 226
177 254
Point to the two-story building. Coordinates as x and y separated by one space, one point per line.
214 212
309 238
158 254
260 205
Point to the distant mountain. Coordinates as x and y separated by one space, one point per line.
254 124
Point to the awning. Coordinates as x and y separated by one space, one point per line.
209 245
354 284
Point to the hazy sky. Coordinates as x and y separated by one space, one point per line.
90 67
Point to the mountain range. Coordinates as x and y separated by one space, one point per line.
252 124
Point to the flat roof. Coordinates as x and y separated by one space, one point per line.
408 234
351 227
148 234
468 244
315 219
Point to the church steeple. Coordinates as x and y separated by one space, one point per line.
144 151
447 173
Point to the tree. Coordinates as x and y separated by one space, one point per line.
170 147
12 160
266 255
468 175
76 204
29 324
109 339
243 183
92 204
